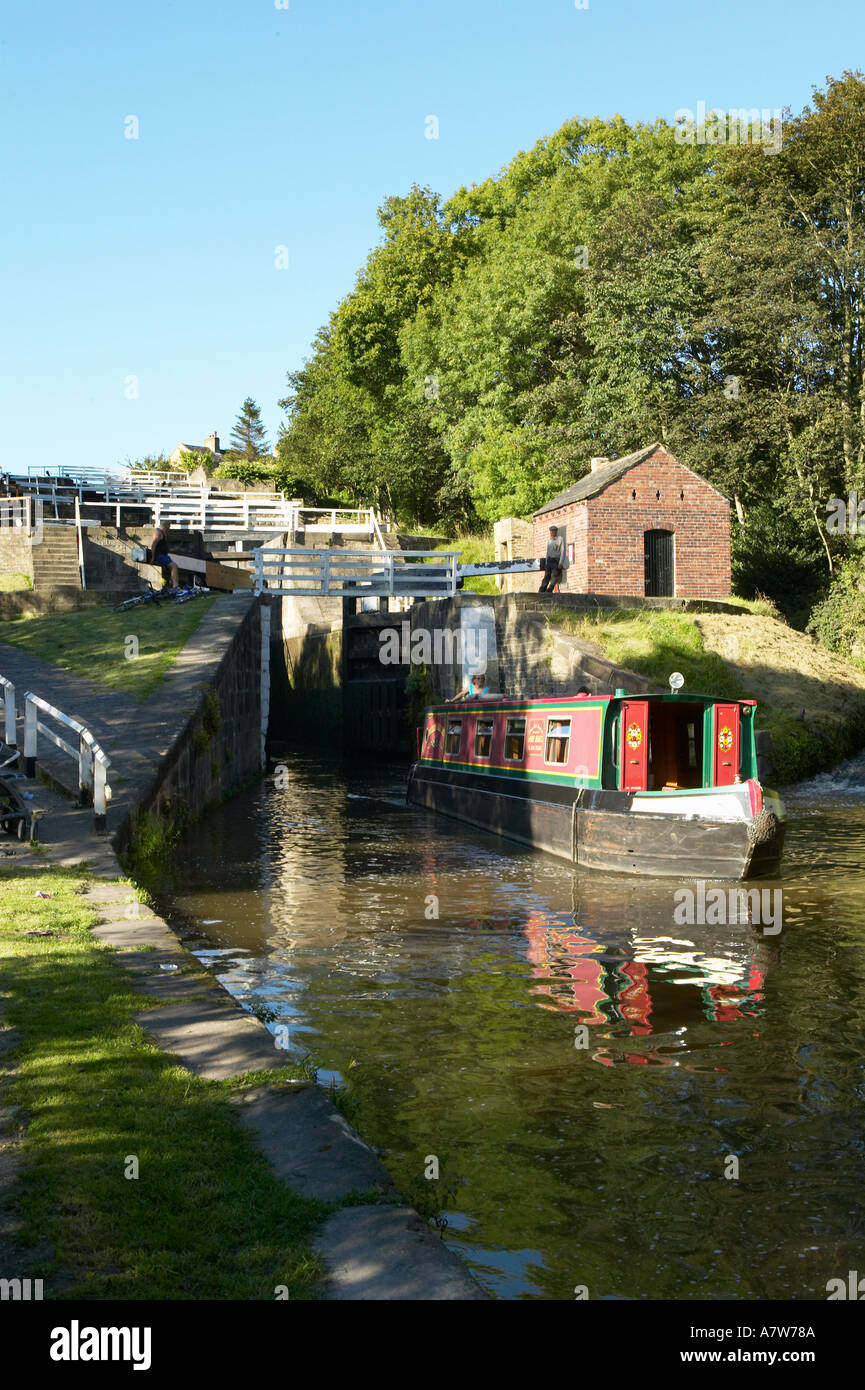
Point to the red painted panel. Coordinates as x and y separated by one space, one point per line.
634 745
726 742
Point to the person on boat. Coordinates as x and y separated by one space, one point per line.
474 689
553 562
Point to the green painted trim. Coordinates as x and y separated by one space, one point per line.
690 791
524 774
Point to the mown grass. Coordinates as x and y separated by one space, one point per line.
475 550
205 1218
94 642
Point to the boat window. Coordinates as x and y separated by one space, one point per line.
454 736
515 740
558 740
483 738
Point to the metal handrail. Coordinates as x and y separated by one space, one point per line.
10 713
93 761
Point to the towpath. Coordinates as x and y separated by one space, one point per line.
375 1247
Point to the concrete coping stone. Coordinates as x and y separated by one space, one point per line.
213 1038
310 1145
382 1253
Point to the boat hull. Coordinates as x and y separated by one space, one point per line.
608 830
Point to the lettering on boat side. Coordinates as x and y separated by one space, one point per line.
716 907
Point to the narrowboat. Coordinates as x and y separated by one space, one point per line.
662 784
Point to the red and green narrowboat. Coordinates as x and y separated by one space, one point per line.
651 784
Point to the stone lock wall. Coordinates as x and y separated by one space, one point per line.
16 551
219 748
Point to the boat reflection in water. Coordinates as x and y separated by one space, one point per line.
650 979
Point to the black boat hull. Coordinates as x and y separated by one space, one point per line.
600 830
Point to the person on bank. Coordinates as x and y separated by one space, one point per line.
554 561
159 555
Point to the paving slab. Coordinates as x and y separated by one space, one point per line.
212 1038
172 987
110 893
311 1147
388 1253
137 932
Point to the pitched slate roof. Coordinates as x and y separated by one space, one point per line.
593 483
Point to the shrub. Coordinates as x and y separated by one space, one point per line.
839 620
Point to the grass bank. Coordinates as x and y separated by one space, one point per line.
96 643
14 583
811 701
475 549
205 1218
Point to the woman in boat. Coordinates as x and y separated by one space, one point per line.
475 689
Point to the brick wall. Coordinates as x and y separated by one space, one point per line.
608 530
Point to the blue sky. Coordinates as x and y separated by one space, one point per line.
262 127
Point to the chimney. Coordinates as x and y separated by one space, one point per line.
212 442
598 463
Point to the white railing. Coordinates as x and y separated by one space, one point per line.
221 511
347 521
93 762
356 573
10 716
20 513
377 531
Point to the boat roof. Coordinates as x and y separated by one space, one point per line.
497 702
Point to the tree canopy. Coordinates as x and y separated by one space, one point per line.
611 286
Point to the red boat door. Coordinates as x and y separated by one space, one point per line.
634 745
726 743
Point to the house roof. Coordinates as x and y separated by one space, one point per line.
593 483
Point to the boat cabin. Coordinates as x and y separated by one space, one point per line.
648 743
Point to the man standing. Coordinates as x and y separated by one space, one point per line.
553 562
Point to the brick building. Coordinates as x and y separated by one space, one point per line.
644 524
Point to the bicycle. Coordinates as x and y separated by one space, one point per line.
136 600
184 595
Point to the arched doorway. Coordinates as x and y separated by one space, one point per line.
660 564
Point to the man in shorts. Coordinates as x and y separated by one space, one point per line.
159 556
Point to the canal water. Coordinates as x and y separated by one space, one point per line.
588 1068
